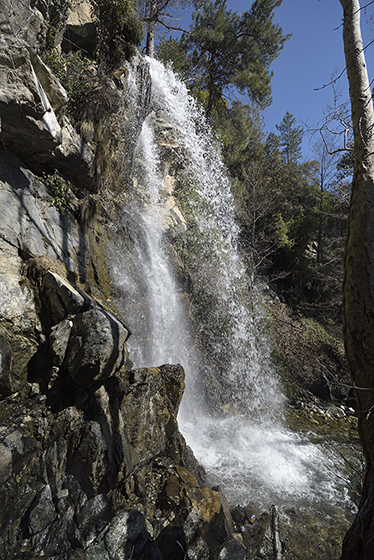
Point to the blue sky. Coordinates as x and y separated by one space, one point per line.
309 58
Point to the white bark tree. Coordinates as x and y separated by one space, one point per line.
358 288
158 12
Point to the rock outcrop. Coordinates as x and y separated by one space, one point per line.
92 465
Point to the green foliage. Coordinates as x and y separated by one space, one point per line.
60 190
57 10
171 51
290 138
283 232
292 224
74 72
228 51
120 31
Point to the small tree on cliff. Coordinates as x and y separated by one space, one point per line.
358 290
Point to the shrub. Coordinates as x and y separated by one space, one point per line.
119 31
60 189
74 71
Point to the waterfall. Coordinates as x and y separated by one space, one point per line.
231 414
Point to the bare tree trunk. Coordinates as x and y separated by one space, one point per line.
358 287
150 45
277 545
151 28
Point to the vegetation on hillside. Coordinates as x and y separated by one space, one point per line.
292 213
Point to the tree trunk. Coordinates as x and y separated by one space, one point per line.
150 45
358 287
151 28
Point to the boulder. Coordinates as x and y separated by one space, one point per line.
59 339
145 431
96 347
81 27
61 298
42 511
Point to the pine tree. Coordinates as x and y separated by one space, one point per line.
290 138
228 51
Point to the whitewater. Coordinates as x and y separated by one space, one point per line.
242 441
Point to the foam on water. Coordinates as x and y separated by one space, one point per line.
251 454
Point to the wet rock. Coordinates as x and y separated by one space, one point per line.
205 506
144 431
257 537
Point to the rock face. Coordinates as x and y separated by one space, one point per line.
81 27
29 95
92 465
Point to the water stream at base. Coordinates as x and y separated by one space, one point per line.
243 443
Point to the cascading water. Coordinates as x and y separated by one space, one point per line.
231 414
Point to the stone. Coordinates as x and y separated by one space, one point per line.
42 511
5 367
232 551
31 226
96 347
5 463
62 298
174 219
53 89
125 536
53 541
14 441
92 511
29 93
205 505
28 123
144 431
25 20
81 27
125 526
74 158
59 339
91 459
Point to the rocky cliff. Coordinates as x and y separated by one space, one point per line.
92 465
